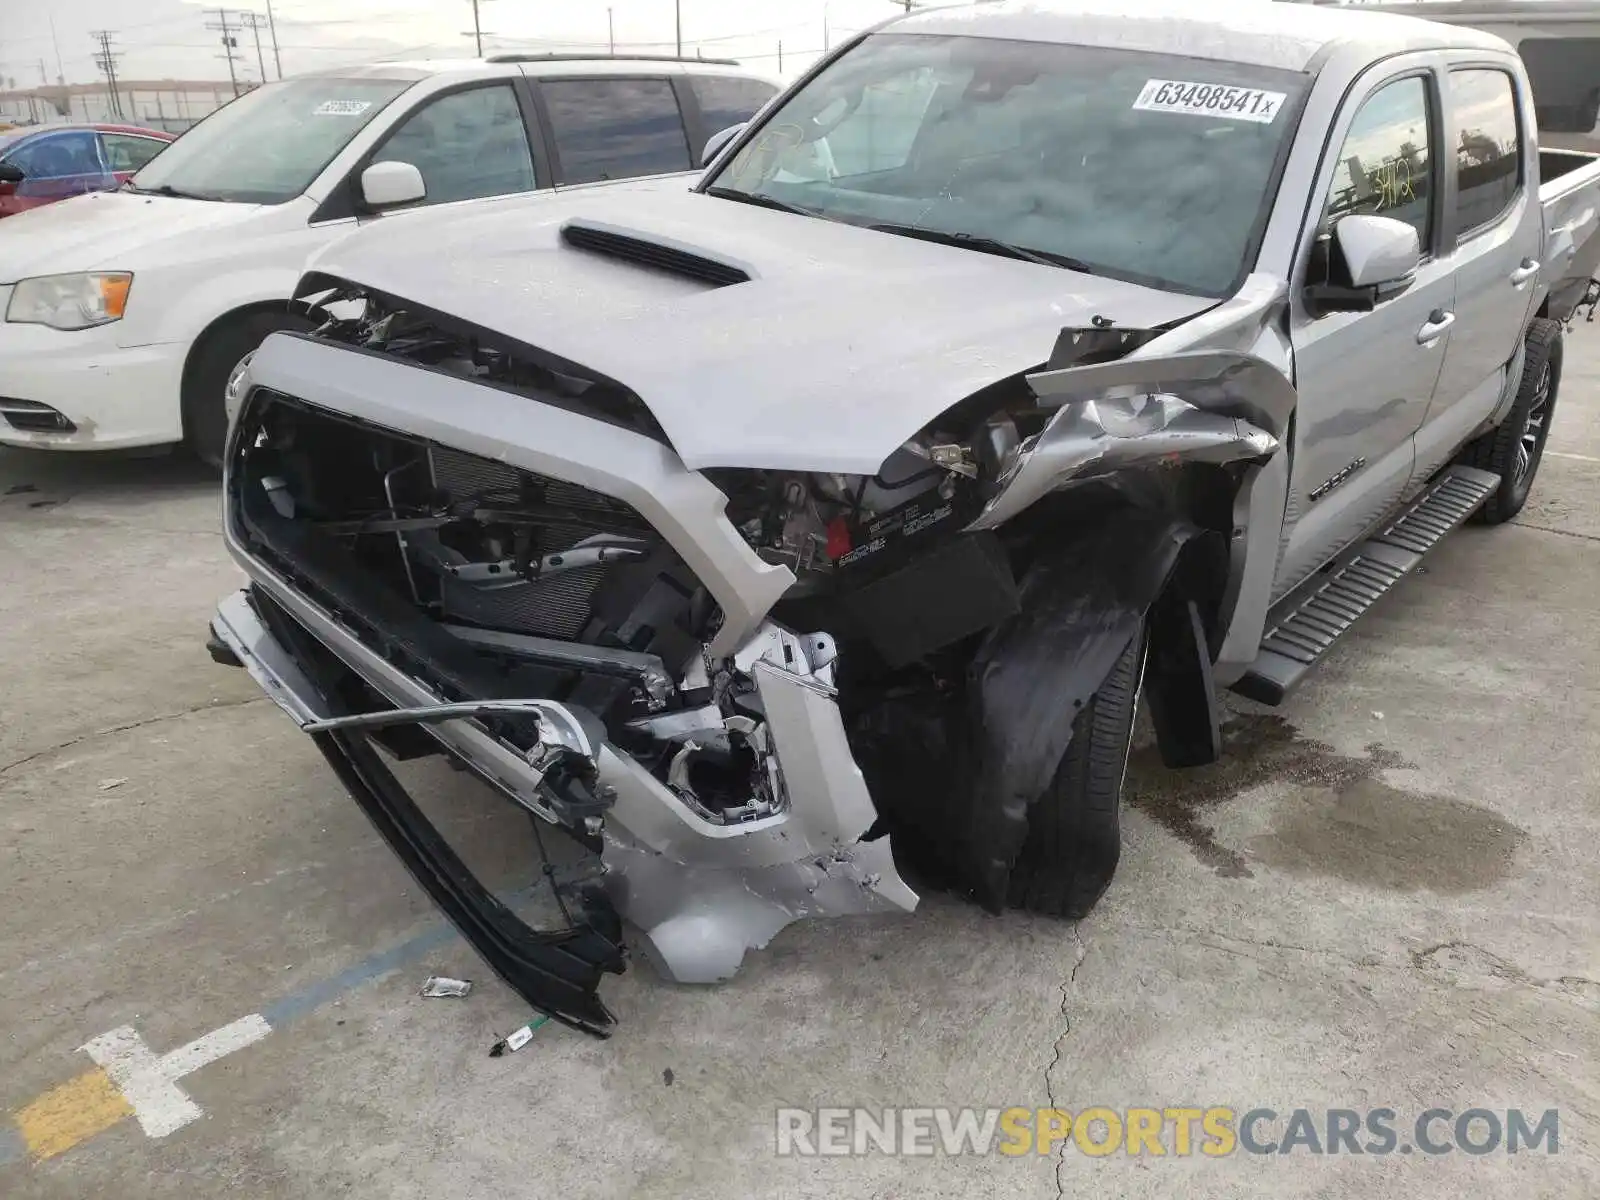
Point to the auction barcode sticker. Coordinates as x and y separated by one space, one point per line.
1209 100
341 108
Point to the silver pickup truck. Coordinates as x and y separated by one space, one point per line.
836 509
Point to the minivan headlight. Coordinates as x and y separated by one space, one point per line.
76 301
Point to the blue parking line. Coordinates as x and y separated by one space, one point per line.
298 1004
12 1147
313 996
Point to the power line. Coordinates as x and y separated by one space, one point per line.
106 60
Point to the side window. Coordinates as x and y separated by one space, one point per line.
1385 166
725 100
1488 150
466 144
127 152
58 154
615 128
1565 74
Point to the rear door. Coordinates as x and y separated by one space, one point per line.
724 101
1494 231
613 127
1365 380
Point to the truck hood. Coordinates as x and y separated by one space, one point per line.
842 344
102 230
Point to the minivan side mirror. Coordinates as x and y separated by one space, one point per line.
387 184
11 173
718 140
1369 259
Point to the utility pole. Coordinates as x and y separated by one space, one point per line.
611 34
677 17
272 32
106 60
477 29
230 43
253 23
780 56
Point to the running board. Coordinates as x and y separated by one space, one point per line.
1303 627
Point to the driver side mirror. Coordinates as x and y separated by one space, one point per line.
387 184
718 140
11 174
1369 259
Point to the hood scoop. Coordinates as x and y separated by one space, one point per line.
660 256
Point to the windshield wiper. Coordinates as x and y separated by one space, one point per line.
166 189
986 245
761 200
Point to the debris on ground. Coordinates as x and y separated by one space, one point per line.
107 784
443 987
516 1039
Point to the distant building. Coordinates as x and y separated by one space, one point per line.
171 104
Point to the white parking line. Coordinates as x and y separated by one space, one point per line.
149 1084
1574 457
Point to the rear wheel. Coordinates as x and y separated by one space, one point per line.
1514 448
1074 830
205 419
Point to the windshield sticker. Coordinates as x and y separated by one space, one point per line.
341 108
1210 100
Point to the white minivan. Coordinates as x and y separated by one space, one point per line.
126 312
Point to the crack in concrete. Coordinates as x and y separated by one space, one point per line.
1055 1061
143 721
1586 537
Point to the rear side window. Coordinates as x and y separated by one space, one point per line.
1488 150
1565 73
129 152
725 100
615 128
1385 167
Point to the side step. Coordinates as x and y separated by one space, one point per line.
1304 626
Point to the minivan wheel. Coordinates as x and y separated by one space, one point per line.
1074 839
1514 448
211 366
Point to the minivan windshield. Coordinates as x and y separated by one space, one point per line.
268 145
1151 168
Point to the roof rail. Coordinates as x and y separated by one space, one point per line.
681 58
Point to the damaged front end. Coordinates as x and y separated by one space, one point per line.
458 544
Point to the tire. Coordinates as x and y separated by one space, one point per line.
1514 448
205 420
1074 836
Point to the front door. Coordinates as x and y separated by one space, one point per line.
1365 379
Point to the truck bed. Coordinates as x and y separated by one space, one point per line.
1569 192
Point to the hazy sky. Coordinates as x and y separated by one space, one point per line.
168 39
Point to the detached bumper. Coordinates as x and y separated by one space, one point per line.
700 893
79 390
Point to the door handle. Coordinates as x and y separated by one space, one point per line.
1528 269
1438 321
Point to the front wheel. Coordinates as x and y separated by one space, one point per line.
220 353
1514 448
1074 836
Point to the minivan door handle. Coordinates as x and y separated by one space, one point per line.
1438 321
1528 269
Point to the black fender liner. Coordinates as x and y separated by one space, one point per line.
964 772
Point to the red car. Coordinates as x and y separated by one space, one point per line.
41 165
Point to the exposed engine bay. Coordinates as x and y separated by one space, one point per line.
684 669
